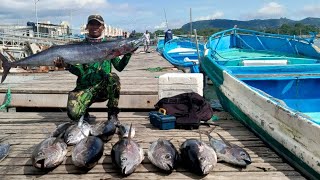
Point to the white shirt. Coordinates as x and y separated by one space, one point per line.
146 36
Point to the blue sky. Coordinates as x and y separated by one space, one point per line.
149 14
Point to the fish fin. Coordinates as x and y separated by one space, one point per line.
200 134
129 135
224 140
6 67
58 138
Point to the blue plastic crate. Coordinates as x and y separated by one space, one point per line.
162 121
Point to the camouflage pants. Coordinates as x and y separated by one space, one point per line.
80 100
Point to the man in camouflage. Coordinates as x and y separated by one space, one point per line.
96 82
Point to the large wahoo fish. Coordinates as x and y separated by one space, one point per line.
77 53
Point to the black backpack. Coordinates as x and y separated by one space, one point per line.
188 108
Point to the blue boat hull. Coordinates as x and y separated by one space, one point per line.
183 53
273 91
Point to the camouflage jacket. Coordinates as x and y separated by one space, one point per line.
91 74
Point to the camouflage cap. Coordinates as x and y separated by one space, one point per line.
96 17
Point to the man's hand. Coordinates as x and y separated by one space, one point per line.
59 63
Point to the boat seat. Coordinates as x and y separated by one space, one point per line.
264 62
195 61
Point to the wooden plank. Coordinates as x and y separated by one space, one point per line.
286 175
136 101
26 129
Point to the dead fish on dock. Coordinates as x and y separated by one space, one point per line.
123 130
87 152
104 130
49 153
227 152
198 156
163 154
61 129
76 132
77 53
126 154
4 149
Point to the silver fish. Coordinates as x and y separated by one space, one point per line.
49 153
104 130
75 133
228 152
198 156
4 150
87 152
77 53
123 131
126 154
163 154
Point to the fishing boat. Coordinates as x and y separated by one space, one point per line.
270 83
184 54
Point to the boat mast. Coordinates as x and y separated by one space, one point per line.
165 16
190 23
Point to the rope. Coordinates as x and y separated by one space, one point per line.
8 99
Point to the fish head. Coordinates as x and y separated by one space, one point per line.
167 161
165 155
130 157
239 156
128 163
207 158
75 134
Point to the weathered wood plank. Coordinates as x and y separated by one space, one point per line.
285 175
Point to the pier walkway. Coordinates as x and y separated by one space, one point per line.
24 130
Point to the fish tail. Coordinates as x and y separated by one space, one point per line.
6 67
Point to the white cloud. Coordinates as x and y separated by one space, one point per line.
270 10
216 15
311 10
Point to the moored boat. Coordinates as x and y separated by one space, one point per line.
184 54
269 82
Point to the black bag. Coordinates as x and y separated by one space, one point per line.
188 108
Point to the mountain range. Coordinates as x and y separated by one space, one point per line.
251 24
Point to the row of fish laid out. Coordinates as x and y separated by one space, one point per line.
87 141
127 155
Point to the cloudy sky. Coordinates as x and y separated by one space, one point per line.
150 14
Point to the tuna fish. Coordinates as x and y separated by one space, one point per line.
126 154
198 156
49 153
77 53
104 130
123 131
228 152
87 152
4 150
75 133
163 154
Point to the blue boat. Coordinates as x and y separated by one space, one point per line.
270 83
183 54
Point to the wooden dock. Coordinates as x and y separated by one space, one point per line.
24 130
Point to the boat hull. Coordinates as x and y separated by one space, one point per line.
289 133
262 80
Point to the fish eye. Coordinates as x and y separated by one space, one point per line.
40 153
123 159
242 154
201 158
167 156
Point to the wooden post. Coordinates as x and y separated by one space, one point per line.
197 44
